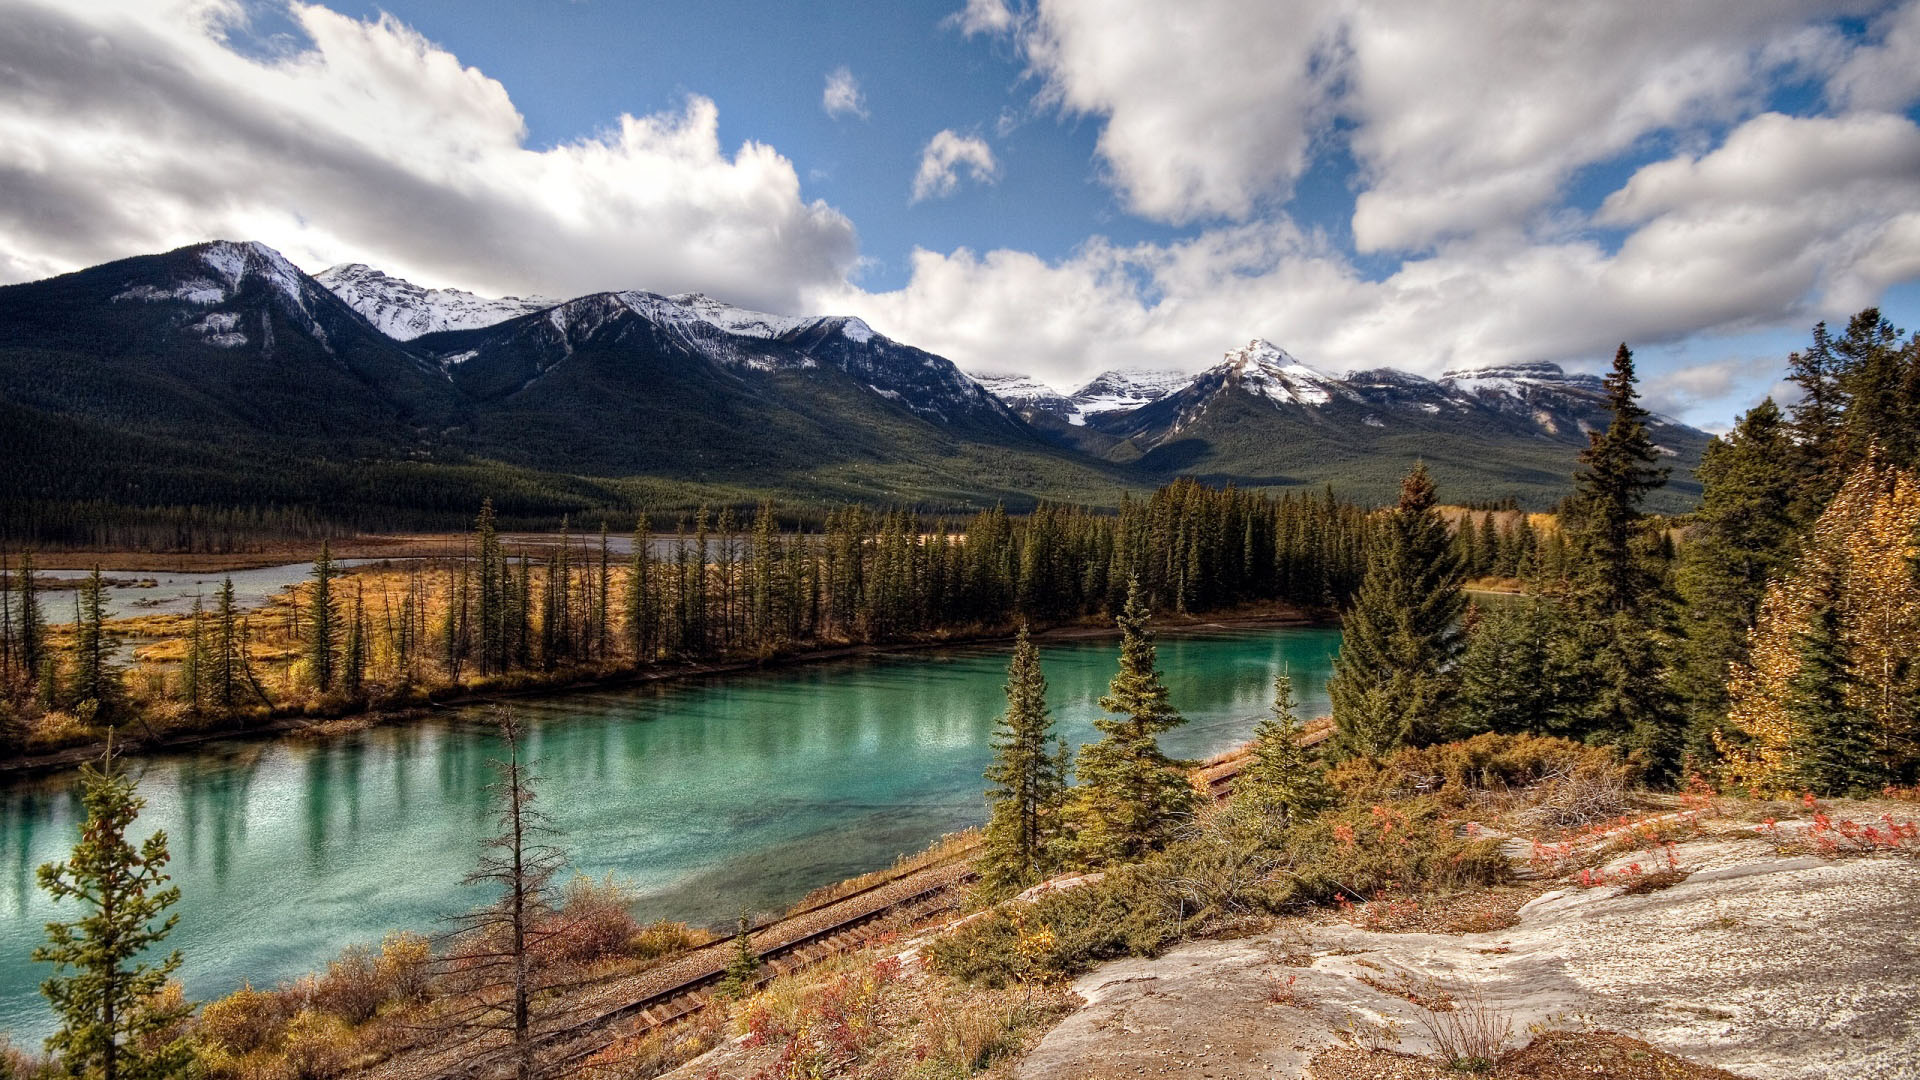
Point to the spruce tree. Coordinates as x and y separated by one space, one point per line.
743 967
1834 745
1607 525
224 663
95 677
1620 597
1281 786
1520 671
1393 681
1742 535
1132 797
323 625
106 997
1027 784
353 654
30 637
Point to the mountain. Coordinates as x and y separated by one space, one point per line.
1109 391
404 311
634 383
1261 417
220 375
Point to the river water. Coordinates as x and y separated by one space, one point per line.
708 795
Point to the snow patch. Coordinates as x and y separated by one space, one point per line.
403 311
856 330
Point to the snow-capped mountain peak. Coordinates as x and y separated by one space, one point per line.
1270 371
404 311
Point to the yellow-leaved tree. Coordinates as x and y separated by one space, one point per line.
1826 701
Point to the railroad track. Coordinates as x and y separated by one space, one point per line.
683 987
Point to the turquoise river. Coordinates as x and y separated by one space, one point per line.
708 795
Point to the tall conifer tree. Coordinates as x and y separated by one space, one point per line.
323 625
1132 797
1618 590
1393 681
107 999
1281 786
1028 788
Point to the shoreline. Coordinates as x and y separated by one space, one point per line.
72 757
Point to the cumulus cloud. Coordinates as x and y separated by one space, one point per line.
1742 237
1462 117
982 17
942 159
1885 75
130 126
843 97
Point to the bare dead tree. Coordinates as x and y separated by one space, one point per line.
493 960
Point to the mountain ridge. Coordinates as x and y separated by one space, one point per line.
252 380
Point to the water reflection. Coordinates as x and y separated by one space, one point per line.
708 795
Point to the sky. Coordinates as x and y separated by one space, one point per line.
1050 187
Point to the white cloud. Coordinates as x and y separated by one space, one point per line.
982 17
1463 117
1743 237
842 97
942 159
128 126
1885 75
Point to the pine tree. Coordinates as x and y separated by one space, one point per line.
323 625
1833 742
1743 534
1281 786
1132 797
1027 784
744 965
353 654
31 636
1393 681
224 664
1607 526
1521 669
493 587
112 1024
96 679
1620 596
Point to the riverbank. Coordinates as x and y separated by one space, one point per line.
129 741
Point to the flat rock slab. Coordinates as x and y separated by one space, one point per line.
1766 966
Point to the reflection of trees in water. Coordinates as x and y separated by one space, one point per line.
215 795
40 813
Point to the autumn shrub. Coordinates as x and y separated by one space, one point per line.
318 1046
592 923
405 967
664 938
245 1020
352 988
18 1064
1558 781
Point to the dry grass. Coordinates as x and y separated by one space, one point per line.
948 848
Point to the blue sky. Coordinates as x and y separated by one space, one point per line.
1055 187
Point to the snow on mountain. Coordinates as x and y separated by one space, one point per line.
1271 372
1024 392
404 311
1519 381
1111 391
